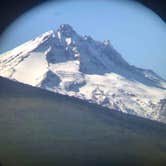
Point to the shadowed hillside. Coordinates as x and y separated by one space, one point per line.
40 128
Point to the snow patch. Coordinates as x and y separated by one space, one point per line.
32 69
68 40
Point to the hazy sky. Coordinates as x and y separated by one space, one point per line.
135 31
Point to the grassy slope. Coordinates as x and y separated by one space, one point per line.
42 128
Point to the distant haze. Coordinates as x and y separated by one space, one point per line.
135 31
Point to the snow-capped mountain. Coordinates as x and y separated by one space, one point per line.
65 62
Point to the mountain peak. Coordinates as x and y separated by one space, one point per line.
65 26
66 29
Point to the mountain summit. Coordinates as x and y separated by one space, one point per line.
64 62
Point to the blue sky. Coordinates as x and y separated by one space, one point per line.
135 31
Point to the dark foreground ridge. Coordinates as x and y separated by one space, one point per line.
40 128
